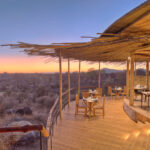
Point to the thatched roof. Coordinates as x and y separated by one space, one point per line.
129 35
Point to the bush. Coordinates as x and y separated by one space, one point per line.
45 101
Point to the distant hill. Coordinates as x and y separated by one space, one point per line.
106 70
139 71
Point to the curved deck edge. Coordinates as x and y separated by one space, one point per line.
134 113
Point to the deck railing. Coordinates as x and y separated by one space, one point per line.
28 128
55 110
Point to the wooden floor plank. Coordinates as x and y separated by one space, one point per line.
113 132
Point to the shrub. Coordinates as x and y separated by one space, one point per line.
45 101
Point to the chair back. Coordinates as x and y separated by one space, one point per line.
109 90
102 102
99 90
98 95
85 94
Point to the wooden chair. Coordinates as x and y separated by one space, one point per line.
97 95
99 106
85 94
124 93
80 106
99 90
110 93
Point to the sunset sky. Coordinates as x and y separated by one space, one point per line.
49 21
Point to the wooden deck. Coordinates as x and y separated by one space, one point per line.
113 132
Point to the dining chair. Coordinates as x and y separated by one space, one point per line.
97 95
138 91
110 93
99 90
85 94
99 106
80 106
124 93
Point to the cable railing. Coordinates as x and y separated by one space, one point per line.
55 110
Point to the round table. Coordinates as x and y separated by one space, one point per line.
90 103
117 91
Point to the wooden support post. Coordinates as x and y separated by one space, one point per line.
135 69
132 82
127 77
68 82
60 74
147 75
99 81
79 79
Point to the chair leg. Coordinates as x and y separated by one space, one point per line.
103 113
145 98
85 112
93 112
76 111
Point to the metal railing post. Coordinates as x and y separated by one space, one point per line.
41 141
51 139
47 144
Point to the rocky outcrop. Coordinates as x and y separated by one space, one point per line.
27 111
24 111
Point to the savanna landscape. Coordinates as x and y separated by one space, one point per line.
28 98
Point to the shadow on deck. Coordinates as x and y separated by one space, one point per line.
116 131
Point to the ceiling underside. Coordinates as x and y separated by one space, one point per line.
129 35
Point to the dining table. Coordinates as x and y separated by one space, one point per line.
117 91
90 102
138 89
147 95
